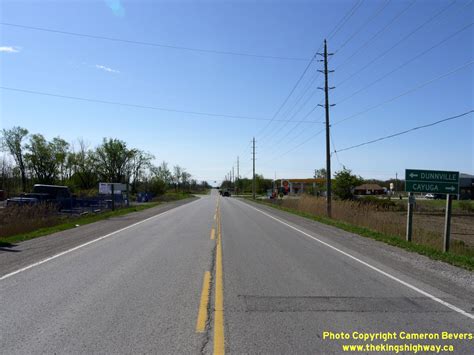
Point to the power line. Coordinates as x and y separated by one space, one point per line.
288 96
378 33
397 43
406 131
370 40
293 115
405 92
406 63
271 131
333 32
389 73
299 145
335 150
344 20
139 106
152 44
365 23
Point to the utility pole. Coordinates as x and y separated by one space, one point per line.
328 145
238 173
253 182
233 177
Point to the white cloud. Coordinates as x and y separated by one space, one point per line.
6 49
107 69
116 7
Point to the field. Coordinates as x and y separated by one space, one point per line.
26 222
389 217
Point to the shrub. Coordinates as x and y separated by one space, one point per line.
466 206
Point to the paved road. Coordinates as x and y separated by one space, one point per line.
222 274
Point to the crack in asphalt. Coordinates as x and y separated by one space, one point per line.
207 333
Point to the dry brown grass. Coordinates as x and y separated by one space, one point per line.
22 219
388 220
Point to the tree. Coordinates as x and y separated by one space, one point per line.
61 151
12 141
42 159
84 172
262 184
176 177
320 173
344 183
185 177
163 173
112 159
138 163
157 186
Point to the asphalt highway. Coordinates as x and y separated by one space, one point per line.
221 275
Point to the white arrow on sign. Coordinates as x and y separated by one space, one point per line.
451 188
412 175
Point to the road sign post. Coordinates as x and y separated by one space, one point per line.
447 223
435 182
411 202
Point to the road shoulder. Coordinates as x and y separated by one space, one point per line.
436 274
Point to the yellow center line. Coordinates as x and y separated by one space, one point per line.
213 234
203 305
219 344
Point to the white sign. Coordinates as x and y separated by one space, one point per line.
105 188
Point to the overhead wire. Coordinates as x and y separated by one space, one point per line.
152 44
406 63
408 35
333 32
419 86
209 114
382 30
406 131
365 23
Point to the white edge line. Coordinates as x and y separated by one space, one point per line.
414 288
90 242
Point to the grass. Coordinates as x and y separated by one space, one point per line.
463 258
438 205
40 222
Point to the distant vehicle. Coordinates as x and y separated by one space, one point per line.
52 194
439 197
226 194
22 201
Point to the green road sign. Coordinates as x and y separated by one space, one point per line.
432 181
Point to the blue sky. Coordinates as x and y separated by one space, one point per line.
245 86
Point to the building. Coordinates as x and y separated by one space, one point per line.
299 186
369 189
466 186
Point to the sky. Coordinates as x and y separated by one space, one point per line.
398 64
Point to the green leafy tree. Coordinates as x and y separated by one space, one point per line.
112 159
84 171
163 173
12 141
320 173
60 150
42 159
139 162
344 183
176 176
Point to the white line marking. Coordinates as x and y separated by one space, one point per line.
414 288
90 242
